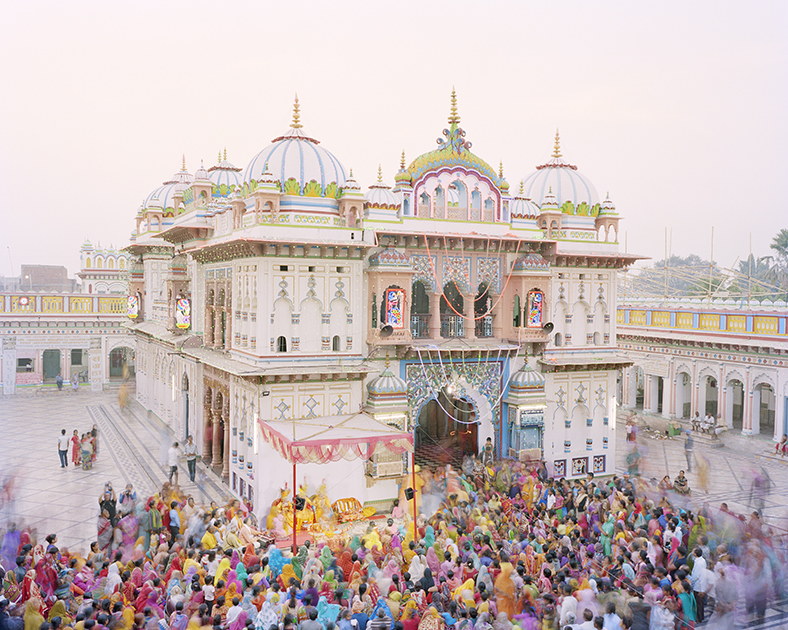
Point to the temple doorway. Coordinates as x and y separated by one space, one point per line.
447 430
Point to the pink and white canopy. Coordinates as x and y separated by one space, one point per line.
331 438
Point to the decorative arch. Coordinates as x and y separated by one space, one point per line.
764 379
734 375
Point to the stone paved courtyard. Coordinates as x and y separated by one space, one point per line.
132 449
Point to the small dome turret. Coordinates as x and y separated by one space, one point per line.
380 195
225 177
608 208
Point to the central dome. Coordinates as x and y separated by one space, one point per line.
299 165
573 191
453 150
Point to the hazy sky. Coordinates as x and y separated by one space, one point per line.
677 108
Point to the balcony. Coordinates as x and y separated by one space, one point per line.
420 326
452 326
484 327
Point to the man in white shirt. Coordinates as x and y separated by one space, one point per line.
62 448
568 605
588 620
172 462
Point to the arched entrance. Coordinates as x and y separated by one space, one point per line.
734 403
710 394
121 363
683 395
763 406
446 431
420 311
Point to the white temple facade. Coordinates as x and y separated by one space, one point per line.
442 305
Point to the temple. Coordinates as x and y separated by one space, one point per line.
441 306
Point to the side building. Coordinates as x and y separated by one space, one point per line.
442 306
51 325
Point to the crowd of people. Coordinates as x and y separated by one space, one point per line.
506 548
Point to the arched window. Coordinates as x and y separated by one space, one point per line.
516 312
88 263
559 339
335 343
99 262
110 263
597 339
281 344
122 263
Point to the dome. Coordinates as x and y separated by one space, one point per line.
526 378
402 177
162 197
532 261
453 150
608 208
296 160
388 385
201 173
574 192
522 208
380 195
224 176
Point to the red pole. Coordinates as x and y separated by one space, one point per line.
413 467
295 518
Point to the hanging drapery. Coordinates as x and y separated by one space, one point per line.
331 438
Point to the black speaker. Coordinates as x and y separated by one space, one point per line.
300 503
409 494
548 327
386 331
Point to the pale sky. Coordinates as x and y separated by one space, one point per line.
678 109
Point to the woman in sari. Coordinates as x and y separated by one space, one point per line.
86 452
504 590
33 617
75 446
431 620
104 537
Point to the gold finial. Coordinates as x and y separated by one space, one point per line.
219 159
454 117
522 187
380 174
500 170
296 124
351 174
183 164
387 359
402 160
225 154
557 147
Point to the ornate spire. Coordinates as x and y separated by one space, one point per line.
522 187
296 124
225 154
183 163
402 160
500 169
219 159
557 147
351 173
380 174
454 117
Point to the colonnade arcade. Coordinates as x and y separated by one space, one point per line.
216 429
749 399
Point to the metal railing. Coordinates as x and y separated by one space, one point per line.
452 326
484 326
420 325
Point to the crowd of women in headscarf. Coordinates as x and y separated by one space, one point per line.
507 546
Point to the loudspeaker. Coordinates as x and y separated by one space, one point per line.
409 494
300 503
386 331
548 327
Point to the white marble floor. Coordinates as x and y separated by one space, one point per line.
41 494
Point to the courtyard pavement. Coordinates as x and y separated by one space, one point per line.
37 492
732 469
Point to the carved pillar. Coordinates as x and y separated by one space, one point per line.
206 442
226 415
497 320
469 323
228 308
216 450
435 315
